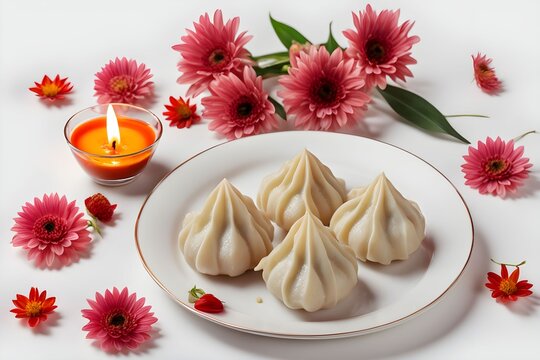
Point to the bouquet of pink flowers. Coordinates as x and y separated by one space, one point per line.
323 86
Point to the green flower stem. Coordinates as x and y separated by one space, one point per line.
93 223
195 294
515 265
517 138
466 115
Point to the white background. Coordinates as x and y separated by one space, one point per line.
75 40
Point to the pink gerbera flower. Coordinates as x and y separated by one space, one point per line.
118 321
485 76
495 167
213 49
51 230
239 106
296 49
323 91
381 46
123 81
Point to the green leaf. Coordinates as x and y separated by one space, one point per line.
287 34
331 44
279 108
418 111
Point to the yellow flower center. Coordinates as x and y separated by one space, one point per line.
184 112
33 308
50 90
119 84
508 286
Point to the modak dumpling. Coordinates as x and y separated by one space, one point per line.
310 269
229 236
303 183
356 192
379 224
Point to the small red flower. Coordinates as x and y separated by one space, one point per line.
52 89
36 307
485 76
209 303
181 113
506 288
99 207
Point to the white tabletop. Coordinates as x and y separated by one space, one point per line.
75 40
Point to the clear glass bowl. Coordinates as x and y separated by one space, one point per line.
114 170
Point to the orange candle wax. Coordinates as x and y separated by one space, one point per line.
122 160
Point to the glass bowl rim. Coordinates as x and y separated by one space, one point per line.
138 152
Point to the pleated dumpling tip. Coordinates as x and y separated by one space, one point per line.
310 269
379 224
302 184
228 236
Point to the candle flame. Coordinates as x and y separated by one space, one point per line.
113 131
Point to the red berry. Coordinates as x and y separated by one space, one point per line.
100 207
209 303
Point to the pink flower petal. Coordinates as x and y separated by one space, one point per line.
506 171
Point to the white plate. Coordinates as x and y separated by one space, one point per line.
385 295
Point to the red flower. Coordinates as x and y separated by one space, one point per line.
181 113
209 303
505 288
35 308
99 207
52 89
484 74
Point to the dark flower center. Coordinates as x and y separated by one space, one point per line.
119 84
496 167
375 51
218 58
483 68
50 228
117 320
244 109
324 91
118 323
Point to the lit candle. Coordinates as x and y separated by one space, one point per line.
115 148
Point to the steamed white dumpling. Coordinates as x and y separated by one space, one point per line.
310 269
379 224
303 183
229 236
356 192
